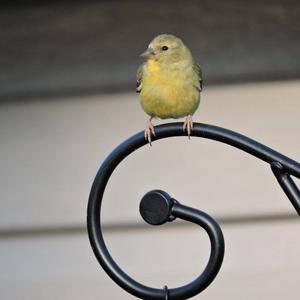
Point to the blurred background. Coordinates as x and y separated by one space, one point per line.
67 82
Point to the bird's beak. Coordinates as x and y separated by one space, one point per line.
148 54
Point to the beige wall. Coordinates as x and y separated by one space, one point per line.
51 149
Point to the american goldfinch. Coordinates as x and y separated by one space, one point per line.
169 82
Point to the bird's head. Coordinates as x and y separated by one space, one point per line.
167 48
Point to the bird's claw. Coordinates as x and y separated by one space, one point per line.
148 131
188 125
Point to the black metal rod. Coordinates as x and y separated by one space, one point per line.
234 139
287 184
135 142
216 256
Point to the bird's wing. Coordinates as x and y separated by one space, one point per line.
198 71
139 78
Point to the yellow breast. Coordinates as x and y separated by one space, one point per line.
169 93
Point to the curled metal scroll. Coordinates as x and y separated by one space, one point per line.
282 167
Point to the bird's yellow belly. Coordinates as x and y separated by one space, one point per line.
169 98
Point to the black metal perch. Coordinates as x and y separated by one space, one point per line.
157 207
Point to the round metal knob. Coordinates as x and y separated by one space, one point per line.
155 207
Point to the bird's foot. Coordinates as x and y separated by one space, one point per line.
188 125
149 130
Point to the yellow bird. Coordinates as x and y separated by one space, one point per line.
169 82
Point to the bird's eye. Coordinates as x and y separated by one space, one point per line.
164 48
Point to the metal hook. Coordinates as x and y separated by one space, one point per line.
282 166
